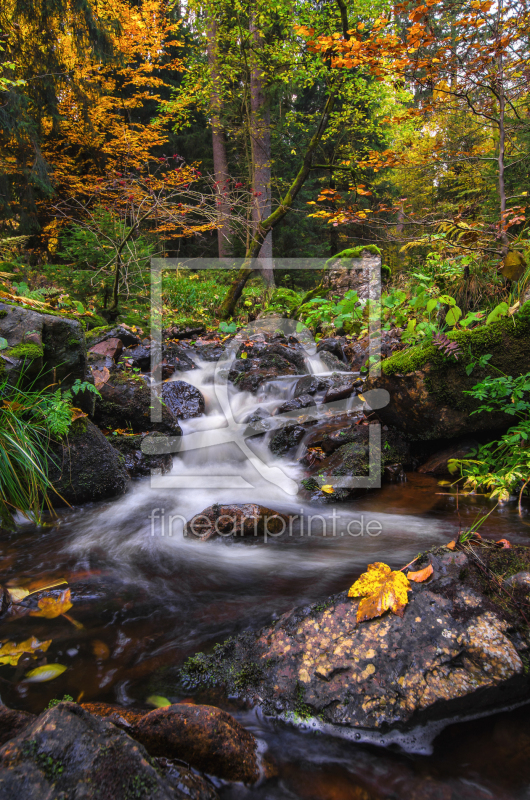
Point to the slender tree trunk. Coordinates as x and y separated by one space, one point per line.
286 203
220 166
502 138
260 138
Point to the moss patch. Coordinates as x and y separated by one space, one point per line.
498 339
355 252
26 350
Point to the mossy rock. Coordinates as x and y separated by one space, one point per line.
427 389
85 467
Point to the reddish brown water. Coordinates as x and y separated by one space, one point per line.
147 603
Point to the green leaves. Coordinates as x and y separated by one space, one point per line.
3 343
499 311
453 315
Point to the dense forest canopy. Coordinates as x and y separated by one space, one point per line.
246 129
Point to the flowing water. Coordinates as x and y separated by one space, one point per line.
147 597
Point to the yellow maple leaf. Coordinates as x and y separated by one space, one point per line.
381 589
51 607
11 652
328 488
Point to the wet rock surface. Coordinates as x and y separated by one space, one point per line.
437 464
248 374
85 467
182 400
137 461
13 722
207 737
338 451
245 519
67 753
458 649
126 403
286 438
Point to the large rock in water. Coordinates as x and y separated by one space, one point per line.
126 402
427 399
68 754
207 737
84 467
458 649
244 519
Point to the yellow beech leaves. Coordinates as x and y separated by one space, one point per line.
382 590
10 652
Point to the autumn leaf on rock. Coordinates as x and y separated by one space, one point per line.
381 590
100 376
51 607
421 575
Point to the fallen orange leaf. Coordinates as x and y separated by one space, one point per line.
77 414
421 575
51 607
381 590
100 650
451 545
505 543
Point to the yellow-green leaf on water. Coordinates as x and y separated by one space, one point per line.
157 701
244 355
444 483
10 652
328 488
46 673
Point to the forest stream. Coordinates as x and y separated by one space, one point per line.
147 600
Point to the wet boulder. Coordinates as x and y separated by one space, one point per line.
437 463
245 519
13 722
138 357
68 753
311 384
84 467
127 402
342 387
459 648
248 374
178 357
290 407
135 451
208 738
286 438
182 400
347 466
334 345
332 362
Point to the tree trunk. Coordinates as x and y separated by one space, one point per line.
260 138
502 136
286 203
220 166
